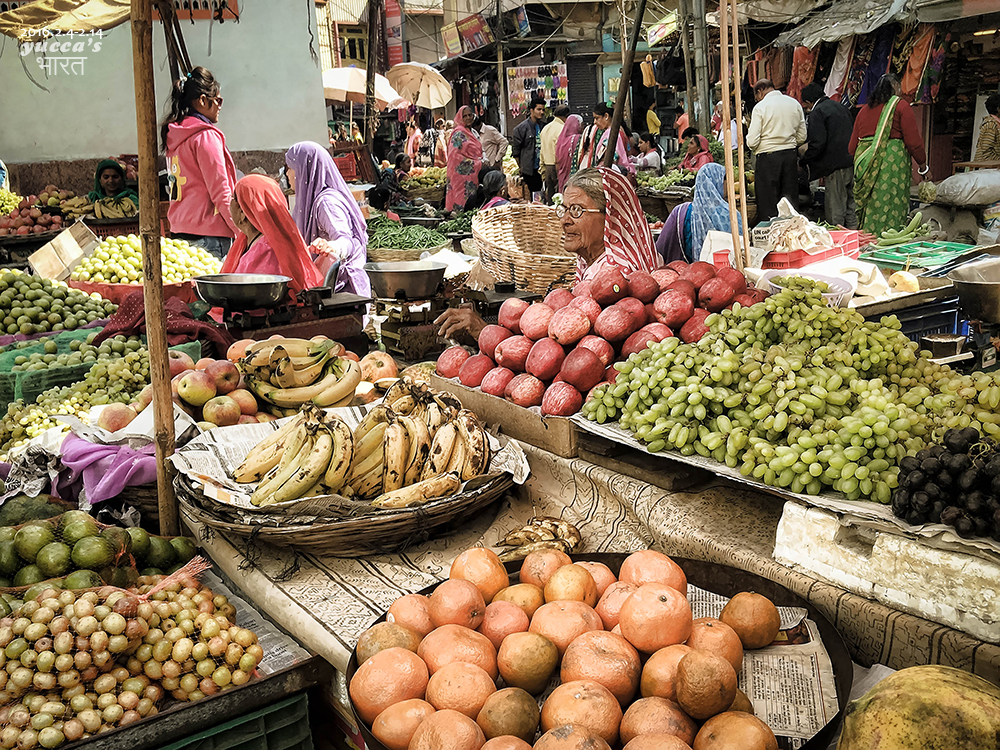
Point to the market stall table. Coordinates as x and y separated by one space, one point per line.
326 602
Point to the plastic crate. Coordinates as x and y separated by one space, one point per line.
923 320
928 255
347 165
800 258
849 239
117 229
280 726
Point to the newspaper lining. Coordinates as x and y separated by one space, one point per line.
208 462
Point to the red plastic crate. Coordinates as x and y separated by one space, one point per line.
347 165
849 239
795 259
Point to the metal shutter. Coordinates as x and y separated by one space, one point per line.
581 71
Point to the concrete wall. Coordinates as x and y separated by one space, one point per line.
271 85
423 37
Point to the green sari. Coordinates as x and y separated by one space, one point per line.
882 177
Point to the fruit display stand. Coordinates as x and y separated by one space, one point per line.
555 434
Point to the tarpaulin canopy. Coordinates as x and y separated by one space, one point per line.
934 11
845 18
25 22
771 11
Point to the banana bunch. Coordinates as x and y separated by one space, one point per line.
309 456
288 373
541 532
115 208
417 445
76 208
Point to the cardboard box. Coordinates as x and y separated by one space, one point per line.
56 259
555 434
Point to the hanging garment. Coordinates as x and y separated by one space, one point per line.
917 63
803 71
863 48
838 73
902 47
934 70
878 65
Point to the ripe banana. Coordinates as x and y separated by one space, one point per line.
282 371
374 440
442 449
519 553
293 347
434 417
311 469
396 453
456 463
298 448
477 459
307 374
379 414
342 387
369 485
342 455
396 391
295 397
420 448
441 485
258 463
544 529
404 405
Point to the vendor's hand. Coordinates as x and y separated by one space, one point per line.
457 319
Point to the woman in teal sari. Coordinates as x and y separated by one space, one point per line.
884 140
109 182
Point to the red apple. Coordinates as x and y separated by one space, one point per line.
225 375
179 362
196 387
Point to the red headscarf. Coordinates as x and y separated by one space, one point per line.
628 241
264 205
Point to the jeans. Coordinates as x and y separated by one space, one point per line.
217 246
839 201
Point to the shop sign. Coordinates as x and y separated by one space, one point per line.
394 31
523 27
662 29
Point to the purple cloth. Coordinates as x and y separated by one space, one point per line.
326 209
670 243
106 470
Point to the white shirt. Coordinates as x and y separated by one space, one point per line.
777 124
494 145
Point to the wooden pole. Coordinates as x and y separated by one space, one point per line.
375 8
689 91
727 138
149 230
738 68
623 87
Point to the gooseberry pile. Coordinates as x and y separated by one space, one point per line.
797 394
75 664
111 381
81 352
118 260
30 304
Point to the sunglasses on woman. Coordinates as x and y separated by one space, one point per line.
575 210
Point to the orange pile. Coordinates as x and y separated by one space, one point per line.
632 668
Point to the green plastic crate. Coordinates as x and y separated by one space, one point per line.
280 726
928 255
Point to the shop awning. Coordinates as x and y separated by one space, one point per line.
770 11
64 15
935 11
845 18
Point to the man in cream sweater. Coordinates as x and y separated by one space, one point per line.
777 129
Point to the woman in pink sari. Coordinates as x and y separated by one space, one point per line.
594 144
413 136
568 148
465 157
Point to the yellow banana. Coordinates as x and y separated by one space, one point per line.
442 485
396 391
257 463
420 448
367 445
458 456
379 414
308 374
311 469
404 405
282 372
342 455
281 434
396 452
347 401
342 387
369 485
442 449
364 463
477 447
433 417
293 347
289 397
298 449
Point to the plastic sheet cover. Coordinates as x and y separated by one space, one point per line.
845 18
25 22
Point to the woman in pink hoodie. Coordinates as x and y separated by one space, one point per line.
200 170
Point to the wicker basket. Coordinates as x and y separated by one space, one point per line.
429 194
378 532
523 243
392 255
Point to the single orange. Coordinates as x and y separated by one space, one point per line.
456 602
389 677
610 604
709 634
754 618
527 596
483 568
583 703
562 622
527 661
735 730
604 658
571 583
657 716
501 619
451 643
601 574
461 687
539 566
383 635
413 611
571 737
649 566
447 730
510 712
659 674
654 617
394 727
706 685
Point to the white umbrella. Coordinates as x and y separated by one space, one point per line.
351 85
421 84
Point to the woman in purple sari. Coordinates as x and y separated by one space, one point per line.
567 149
325 210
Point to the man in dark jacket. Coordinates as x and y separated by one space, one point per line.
828 135
526 145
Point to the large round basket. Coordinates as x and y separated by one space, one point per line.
393 255
377 532
430 194
523 243
719 579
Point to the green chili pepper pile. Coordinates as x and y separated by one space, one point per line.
461 224
384 232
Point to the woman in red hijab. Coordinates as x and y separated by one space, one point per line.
698 154
268 240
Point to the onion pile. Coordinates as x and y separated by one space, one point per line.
77 663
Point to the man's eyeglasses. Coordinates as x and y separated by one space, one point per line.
575 210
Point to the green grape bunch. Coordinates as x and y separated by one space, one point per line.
798 395
109 381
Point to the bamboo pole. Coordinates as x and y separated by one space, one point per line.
149 230
623 87
738 67
689 92
727 137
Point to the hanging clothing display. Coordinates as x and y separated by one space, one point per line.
825 55
863 48
902 47
878 65
803 71
841 64
913 73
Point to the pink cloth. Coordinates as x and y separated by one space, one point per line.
202 176
413 145
628 241
681 123
465 157
106 470
595 145
567 147
699 160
